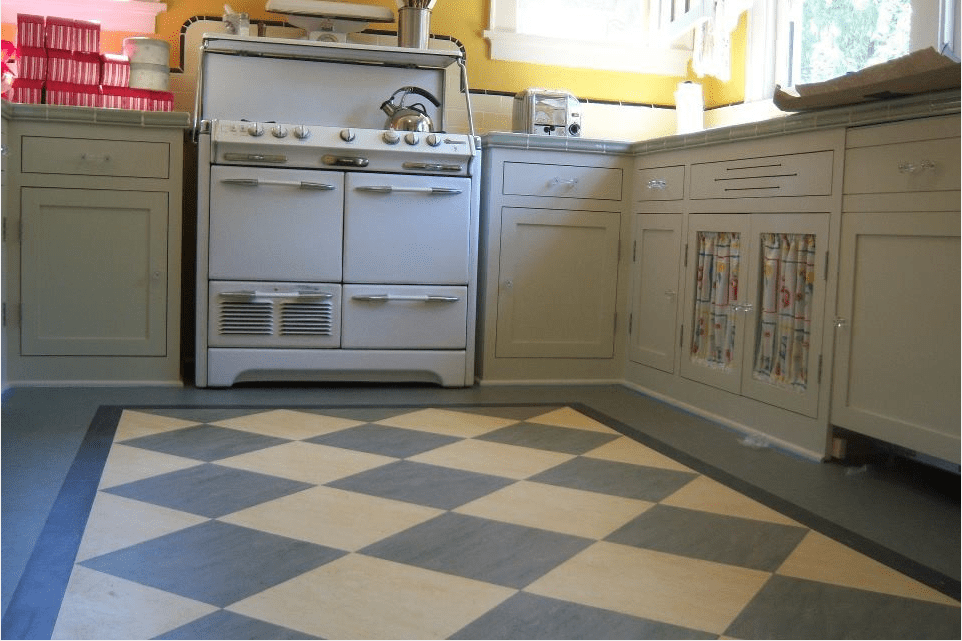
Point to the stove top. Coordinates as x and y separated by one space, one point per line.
241 142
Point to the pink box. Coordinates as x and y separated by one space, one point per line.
114 70
73 67
116 97
72 35
30 31
27 91
64 93
161 101
32 63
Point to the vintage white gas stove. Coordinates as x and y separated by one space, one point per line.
331 247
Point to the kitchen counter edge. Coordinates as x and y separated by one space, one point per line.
918 106
93 115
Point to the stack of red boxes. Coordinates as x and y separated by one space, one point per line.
31 60
114 77
73 62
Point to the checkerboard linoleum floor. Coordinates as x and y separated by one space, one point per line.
485 522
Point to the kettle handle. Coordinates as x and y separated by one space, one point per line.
421 92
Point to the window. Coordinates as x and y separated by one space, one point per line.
804 41
596 34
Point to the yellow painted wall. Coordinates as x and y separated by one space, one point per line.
466 20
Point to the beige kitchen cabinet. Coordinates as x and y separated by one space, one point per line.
552 278
94 237
896 372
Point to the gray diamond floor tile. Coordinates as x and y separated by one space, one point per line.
549 437
228 625
205 442
618 479
711 537
502 553
528 616
209 490
384 440
201 414
788 608
214 562
441 487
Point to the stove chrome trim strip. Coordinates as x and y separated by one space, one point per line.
432 166
388 189
255 157
425 298
300 184
345 161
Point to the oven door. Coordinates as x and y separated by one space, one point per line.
275 224
406 229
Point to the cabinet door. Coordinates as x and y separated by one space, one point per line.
558 273
714 304
93 273
656 254
897 347
784 299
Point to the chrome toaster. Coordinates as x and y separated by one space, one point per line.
546 112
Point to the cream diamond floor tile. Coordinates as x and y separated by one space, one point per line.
626 450
116 522
332 517
289 424
556 508
134 424
567 417
486 457
710 496
448 422
662 587
100 606
307 462
126 464
819 558
359 597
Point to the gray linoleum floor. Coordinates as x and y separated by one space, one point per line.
899 505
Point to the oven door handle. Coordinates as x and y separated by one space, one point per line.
423 298
300 184
251 294
388 189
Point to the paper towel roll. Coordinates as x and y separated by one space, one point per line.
689 107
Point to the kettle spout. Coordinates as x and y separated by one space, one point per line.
389 108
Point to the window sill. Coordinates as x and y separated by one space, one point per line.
507 45
136 16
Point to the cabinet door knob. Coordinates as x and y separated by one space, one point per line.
508 284
840 323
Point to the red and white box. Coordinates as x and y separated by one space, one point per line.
32 63
73 67
65 93
113 97
30 31
72 35
26 91
114 70
161 101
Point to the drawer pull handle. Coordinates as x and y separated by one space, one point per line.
423 298
670 293
658 184
101 158
567 182
915 168
300 184
255 158
743 307
388 189
840 323
250 294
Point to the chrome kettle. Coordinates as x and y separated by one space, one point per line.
412 117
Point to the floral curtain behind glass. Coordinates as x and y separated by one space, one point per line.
716 291
788 277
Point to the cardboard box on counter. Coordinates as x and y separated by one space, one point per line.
64 93
30 31
26 91
32 63
73 67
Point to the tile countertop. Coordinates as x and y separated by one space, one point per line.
922 105
93 115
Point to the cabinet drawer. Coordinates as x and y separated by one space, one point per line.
660 183
808 174
404 317
95 157
932 165
562 181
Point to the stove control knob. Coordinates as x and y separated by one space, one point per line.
348 135
301 132
411 138
434 140
391 137
256 129
279 131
